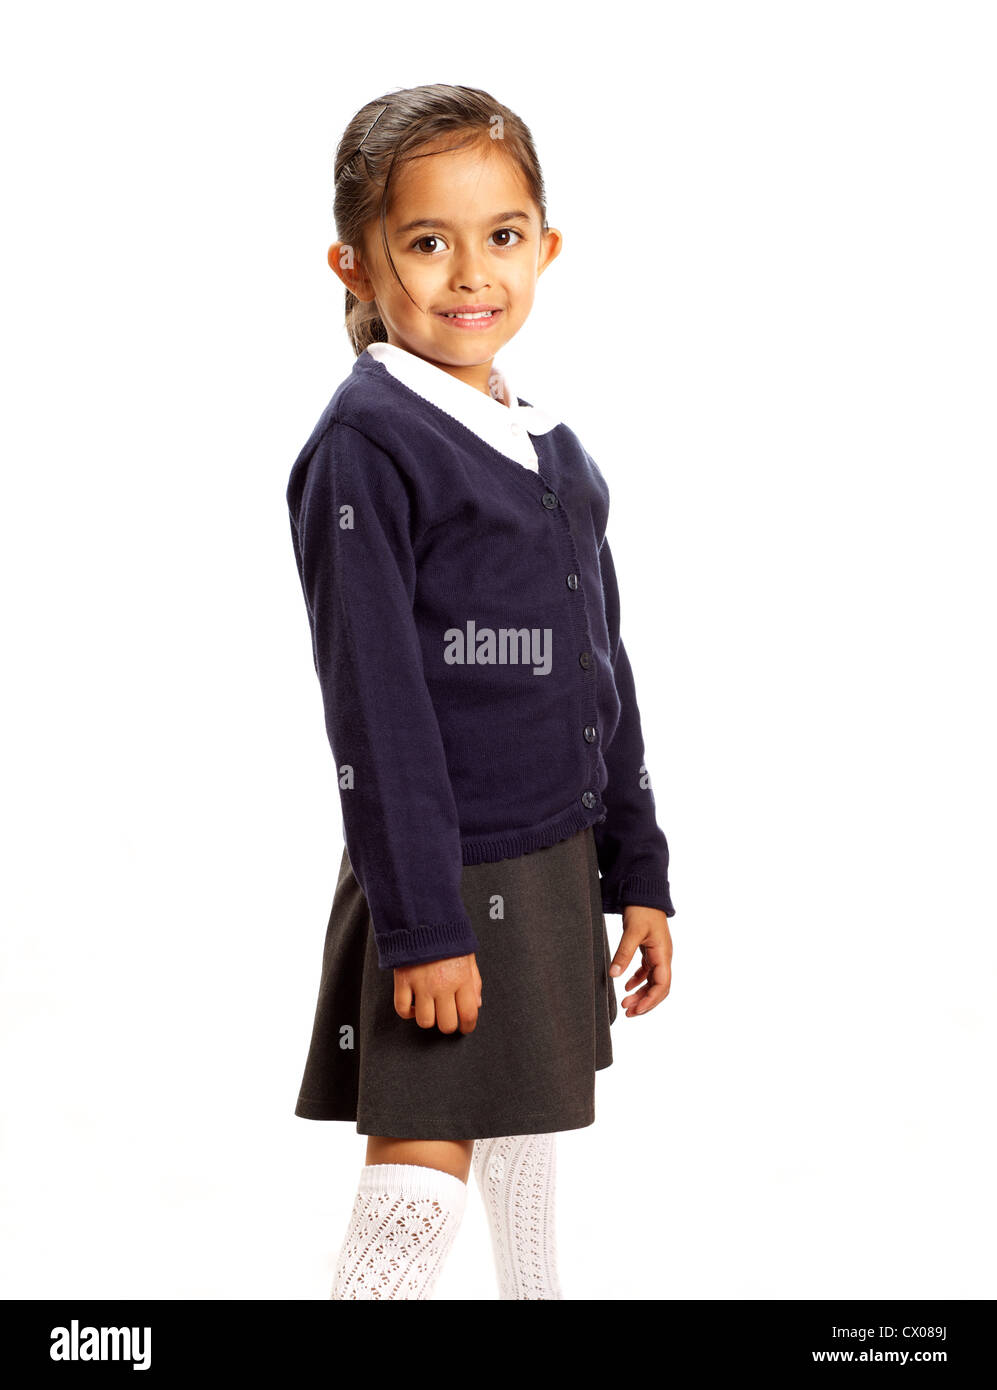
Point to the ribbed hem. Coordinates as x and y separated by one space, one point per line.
639 890
413 1180
400 948
487 849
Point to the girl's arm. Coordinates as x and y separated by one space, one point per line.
350 529
632 849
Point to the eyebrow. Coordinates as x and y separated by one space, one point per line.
514 216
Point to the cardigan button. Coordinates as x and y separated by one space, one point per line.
589 799
585 660
549 499
590 733
572 581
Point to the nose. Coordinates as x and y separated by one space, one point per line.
471 275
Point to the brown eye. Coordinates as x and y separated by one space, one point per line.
430 236
508 231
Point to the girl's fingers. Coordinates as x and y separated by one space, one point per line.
468 1002
645 999
631 939
446 1014
425 1010
403 999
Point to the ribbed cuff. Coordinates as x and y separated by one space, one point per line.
639 890
413 1180
425 943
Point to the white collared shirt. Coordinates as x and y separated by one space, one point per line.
498 419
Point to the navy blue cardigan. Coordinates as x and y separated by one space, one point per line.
465 623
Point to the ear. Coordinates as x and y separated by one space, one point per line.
345 260
551 242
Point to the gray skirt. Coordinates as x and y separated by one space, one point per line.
543 1027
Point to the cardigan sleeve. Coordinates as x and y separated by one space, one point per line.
631 848
350 526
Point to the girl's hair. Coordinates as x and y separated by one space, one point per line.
388 132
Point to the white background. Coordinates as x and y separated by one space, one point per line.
772 324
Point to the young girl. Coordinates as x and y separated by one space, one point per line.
480 706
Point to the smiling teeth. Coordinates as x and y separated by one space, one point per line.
485 314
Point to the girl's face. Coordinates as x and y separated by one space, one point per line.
464 235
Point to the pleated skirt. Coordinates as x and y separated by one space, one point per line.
543 1028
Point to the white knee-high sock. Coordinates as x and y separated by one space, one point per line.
404 1221
516 1176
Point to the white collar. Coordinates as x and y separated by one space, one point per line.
506 427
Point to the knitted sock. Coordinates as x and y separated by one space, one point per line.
516 1177
404 1220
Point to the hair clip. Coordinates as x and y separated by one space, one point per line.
370 128
343 163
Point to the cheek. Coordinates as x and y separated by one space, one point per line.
422 283
525 288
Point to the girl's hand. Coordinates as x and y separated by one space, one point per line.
445 992
646 927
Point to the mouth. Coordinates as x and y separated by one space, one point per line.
471 316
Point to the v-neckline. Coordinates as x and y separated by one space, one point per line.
529 475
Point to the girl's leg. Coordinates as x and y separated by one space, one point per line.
409 1204
449 1156
516 1176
